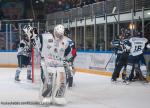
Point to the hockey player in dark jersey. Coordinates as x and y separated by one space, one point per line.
70 54
122 54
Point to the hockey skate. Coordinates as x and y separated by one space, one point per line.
17 79
113 80
123 74
126 81
29 78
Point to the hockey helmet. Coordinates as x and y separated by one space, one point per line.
122 30
139 34
67 32
127 33
59 31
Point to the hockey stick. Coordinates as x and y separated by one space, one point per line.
109 61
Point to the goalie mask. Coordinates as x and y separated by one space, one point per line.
59 31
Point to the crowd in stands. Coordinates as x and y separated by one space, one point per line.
62 5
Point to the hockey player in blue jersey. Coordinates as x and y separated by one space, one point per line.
122 54
136 47
70 54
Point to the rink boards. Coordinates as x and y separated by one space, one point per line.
99 62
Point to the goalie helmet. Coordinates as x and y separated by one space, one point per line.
59 31
138 34
28 30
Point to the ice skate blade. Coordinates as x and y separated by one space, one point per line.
126 82
17 81
115 82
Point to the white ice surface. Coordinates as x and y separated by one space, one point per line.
89 91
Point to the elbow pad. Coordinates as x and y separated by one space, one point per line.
148 46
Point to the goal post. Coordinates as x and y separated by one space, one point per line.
35 58
32 65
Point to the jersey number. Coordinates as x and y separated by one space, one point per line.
138 48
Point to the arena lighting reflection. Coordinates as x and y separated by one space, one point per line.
131 26
148 13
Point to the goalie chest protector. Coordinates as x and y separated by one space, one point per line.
52 50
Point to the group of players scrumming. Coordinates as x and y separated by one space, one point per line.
129 49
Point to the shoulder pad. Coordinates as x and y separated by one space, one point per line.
115 42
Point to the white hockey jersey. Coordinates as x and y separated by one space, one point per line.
137 45
53 50
24 48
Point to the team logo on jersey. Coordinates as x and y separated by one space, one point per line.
50 40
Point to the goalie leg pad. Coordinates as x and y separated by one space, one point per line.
48 86
60 84
60 87
143 70
18 72
129 70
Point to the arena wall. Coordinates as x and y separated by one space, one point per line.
101 62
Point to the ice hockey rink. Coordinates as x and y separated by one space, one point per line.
89 91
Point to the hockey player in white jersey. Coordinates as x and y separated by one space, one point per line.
136 47
52 63
25 50
24 54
